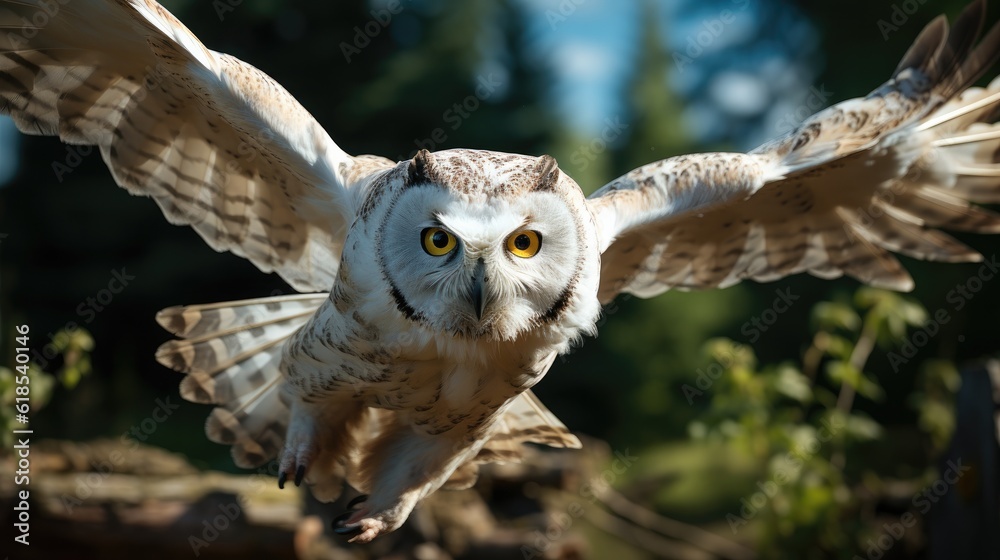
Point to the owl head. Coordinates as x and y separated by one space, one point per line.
488 245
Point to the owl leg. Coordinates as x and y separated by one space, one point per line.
402 467
300 445
313 455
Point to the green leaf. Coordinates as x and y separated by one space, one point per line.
842 372
81 339
839 347
862 428
938 420
912 313
867 297
42 385
791 383
803 437
941 375
697 430
868 388
831 316
730 354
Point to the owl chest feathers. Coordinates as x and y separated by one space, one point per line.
359 346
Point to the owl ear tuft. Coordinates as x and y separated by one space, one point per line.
421 169
547 170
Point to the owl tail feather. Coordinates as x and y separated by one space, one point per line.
526 420
231 352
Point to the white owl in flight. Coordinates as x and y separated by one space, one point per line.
441 289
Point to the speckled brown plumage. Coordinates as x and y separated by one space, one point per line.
449 283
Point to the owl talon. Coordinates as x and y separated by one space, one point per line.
282 477
361 526
340 527
300 473
356 500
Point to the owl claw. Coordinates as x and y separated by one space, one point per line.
358 526
355 501
300 474
298 453
340 525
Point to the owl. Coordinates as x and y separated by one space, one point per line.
437 291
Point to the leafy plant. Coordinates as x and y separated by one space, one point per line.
74 347
800 424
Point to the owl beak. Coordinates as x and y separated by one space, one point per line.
476 293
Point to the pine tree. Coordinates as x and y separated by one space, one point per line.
653 115
466 82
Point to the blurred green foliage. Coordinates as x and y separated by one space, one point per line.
791 433
74 350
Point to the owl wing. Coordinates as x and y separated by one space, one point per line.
832 197
218 144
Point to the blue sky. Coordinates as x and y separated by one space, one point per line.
736 77
592 46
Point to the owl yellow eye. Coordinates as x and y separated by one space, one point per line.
437 242
524 244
